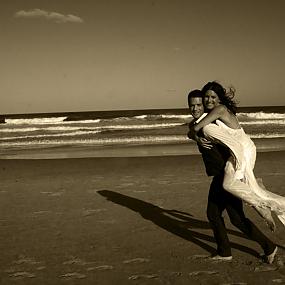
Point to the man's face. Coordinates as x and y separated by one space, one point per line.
196 107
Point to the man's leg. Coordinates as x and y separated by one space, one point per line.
215 208
236 214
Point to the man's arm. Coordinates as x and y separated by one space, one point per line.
215 114
214 159
203 142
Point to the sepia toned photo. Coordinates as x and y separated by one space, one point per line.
142 142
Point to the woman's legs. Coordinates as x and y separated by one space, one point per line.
239 220
245 192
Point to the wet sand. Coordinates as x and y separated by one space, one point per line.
124 221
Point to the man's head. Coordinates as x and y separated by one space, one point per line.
195 103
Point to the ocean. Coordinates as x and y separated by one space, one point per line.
124 133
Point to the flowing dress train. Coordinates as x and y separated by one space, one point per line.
239 177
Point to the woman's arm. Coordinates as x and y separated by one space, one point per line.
200 140
217 113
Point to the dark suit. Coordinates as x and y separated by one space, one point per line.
219 200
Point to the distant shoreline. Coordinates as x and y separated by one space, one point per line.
105 113
75 152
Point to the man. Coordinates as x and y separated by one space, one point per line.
215 157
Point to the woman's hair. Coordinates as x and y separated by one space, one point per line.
226 97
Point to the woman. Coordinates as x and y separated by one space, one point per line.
239 177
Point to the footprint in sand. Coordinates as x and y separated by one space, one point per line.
77 261
90 212
39 213
176 274
100 267
278 280
279 261
72 275
136 260
22 275
199 256
88 265
143 276
22 266
53 194
236 283
206 272
265 268
125 184
26 260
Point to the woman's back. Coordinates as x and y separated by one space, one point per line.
240 144
228 118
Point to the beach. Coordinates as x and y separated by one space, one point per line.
125 220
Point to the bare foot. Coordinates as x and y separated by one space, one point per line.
270 257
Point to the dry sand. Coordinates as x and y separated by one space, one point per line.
124 221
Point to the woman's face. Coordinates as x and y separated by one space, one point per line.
211 100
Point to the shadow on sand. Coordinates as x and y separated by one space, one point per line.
173 221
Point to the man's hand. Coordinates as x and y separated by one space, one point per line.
200 140
204 143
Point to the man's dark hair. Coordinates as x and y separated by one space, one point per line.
194 94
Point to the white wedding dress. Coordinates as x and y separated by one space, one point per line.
239 177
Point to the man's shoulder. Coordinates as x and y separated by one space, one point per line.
192 123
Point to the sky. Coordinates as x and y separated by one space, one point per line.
71 55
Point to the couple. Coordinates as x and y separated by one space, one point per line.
229 155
